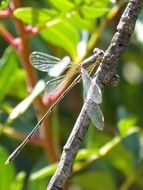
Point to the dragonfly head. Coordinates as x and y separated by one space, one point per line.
95 58
99 53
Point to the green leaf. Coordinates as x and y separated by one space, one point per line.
90 137
93 12
23 106
63 35
123 163
38 178
35 16
100 4
12 78
8 67
64 5
94 180
18 182
39 184
84 154
4 4
78 2
18 84
81 23
44 172
97 3
7 172
127 125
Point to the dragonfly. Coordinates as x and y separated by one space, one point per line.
47 63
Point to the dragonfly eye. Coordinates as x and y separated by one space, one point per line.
98 51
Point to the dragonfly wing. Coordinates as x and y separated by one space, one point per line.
97 95
42 61
52 85
93 111
96 116
87 81
60 67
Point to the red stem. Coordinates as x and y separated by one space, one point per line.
4 13
9 38
24 51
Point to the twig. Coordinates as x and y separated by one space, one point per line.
4 13
15 42
105 74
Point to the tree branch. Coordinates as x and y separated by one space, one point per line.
105 74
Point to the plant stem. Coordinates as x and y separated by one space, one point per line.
24 51
8 37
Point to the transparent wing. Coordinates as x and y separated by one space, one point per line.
97 95
42 61
87 80
93 111
57 69
96 116
52 85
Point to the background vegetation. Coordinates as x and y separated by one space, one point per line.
111 158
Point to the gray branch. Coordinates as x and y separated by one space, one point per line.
105 75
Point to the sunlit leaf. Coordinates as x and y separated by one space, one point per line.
96 140
7 172
78 2
8 67
93 12
87 180
23 106
12 77
97 3
64 5
35 16
18 181
45 172
126 125
63 35
4 4
84 154
81 23
38 184
18 84
123 163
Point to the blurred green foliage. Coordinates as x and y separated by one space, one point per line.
110 159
